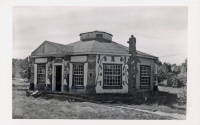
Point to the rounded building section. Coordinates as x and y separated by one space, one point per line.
96 35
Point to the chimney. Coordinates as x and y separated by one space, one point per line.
132 65
132 45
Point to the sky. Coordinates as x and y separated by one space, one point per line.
160 31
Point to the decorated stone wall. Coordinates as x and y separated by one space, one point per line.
104 59
91 74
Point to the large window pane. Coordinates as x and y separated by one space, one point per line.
112 75
41 73
145 75
78 74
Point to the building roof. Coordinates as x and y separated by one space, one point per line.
139 53
51 48
94 46
80 48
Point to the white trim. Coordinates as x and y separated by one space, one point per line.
35 76
85 73
78 58
155 69
70 74
41 60
47 80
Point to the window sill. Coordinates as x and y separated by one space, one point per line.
77 87
112 87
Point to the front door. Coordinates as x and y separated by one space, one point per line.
58 78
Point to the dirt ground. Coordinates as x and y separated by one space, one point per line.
39 108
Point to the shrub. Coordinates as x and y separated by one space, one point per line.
177 81
41 87
182 96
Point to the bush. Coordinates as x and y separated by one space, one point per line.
177 81
41 87
182 96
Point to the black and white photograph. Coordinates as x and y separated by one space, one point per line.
99 62
107 63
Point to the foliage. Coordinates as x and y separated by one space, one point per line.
163 70
176 75
159 63
182 96
16 68
184 65
20 69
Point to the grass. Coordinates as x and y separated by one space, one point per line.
38 108
169 89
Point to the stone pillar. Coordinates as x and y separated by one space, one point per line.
91 75
132 65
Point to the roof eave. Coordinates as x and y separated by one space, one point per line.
150 57
51 54
97 53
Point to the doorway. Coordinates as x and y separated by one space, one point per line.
58 78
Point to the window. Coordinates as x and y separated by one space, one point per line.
112 75
78 74
41 73
144 75
99 35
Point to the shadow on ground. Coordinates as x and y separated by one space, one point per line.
158 98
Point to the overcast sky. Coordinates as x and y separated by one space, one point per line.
160 31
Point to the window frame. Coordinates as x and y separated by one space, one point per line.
112 86
77 86
149 85
44 74
99 36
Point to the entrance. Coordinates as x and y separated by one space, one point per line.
58 78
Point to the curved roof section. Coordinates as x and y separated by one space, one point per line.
96 31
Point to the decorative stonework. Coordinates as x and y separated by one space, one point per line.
91 58
49 71
99 61
105 59
121 59
112 59
125 71
66 72
59 60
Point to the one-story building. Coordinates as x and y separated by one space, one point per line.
94 64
